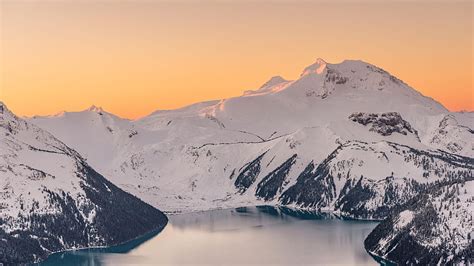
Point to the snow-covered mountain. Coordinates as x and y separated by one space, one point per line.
348 138
52 200
350 125
435 228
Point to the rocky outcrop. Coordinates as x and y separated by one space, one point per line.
248 174
384 124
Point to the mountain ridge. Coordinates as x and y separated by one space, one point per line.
348 138
344 62
52 200
283 117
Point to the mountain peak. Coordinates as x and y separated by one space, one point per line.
95 109
273 81
4 109
320 61
6 116
317 67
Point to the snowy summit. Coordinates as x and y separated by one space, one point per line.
317 67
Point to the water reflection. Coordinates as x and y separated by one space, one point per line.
248 235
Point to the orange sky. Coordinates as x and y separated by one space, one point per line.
133 57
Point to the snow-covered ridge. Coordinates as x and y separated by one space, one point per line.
435 228
52 200
185 154
273 81
318 67
452 136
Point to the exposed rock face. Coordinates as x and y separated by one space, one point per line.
385 123
248 175
274 181
435 228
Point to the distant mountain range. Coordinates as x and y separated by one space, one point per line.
348 138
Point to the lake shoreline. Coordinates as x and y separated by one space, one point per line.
216 236
141 238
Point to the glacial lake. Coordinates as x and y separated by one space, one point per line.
244 236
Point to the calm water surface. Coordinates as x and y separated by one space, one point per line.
250 236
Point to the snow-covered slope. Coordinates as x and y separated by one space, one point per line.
254 148
52 200
435 228
348 138
367 180
452 136
324 93
94 133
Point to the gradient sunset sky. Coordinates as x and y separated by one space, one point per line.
134 57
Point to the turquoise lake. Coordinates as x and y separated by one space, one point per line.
244 236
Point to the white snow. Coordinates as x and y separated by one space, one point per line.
404 218
33 162
318 67
182 160
451 229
